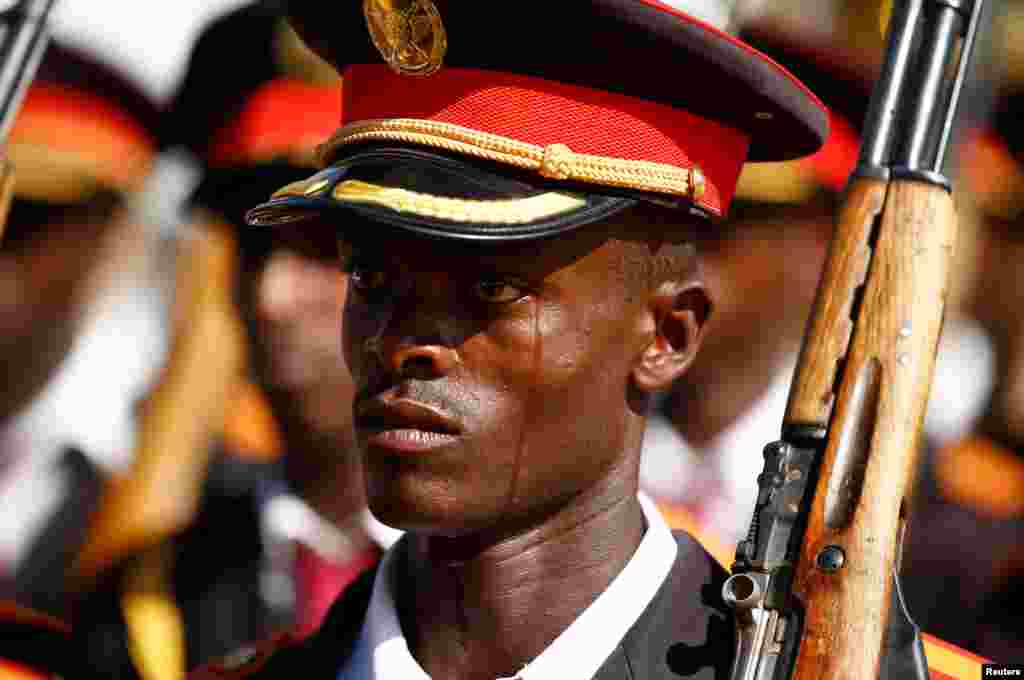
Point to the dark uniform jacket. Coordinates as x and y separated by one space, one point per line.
33 645
40 581
215 578
955 565
685 632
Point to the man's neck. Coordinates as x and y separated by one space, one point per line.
487 615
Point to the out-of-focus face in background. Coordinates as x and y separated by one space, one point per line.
292 291
48 258
994 291
997 297
761 292
289 288
763 266
994 176
81 144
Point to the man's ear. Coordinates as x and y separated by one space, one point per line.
681 313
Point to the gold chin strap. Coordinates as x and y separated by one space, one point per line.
56 176
294 58
994 488
556 161
156 632
788 182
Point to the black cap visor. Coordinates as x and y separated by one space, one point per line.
437 196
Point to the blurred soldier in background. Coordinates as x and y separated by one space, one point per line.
702 453
702 450
291 293
82 145
964 558
232 57
269 522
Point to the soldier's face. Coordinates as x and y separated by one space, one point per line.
292 301
491 385
748 278
298 295
997 292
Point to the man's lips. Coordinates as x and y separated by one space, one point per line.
404 425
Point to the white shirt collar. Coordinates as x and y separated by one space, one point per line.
382 652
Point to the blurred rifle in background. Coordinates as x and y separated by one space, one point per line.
24 34
815 585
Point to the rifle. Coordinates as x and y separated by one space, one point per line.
24 34
814 585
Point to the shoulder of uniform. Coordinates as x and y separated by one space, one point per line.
681 520
33 645
15 615
994 488
251 661
697 559
319 655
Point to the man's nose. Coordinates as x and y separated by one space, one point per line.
293 285
415 358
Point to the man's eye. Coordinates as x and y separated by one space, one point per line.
497 291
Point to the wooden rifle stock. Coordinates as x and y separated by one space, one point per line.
814 582
875 323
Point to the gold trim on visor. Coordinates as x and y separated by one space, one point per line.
500 211
556 161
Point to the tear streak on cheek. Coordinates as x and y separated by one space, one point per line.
537 342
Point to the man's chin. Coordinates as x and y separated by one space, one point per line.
425 510
412 517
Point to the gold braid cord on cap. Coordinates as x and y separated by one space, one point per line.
556 161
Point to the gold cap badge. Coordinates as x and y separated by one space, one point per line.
408 33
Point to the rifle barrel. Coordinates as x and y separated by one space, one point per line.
883 111
22 44
922 131
967 57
